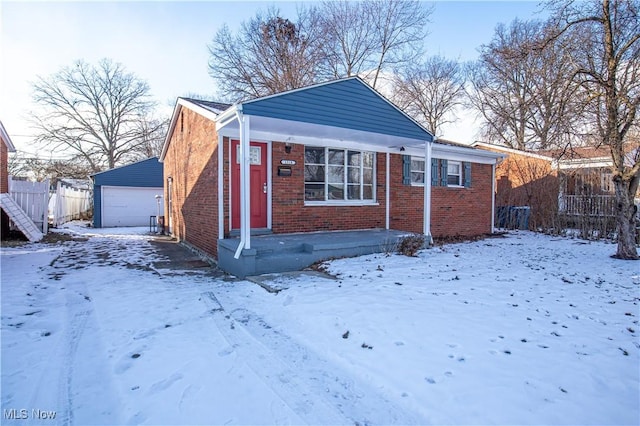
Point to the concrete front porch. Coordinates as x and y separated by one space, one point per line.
293 252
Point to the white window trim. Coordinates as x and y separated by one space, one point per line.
342 203
424 171
345 202
606 182
460 183
421 184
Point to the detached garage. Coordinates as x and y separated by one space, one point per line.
126 196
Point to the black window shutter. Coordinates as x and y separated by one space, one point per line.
406 170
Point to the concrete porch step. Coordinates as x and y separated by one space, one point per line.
293 252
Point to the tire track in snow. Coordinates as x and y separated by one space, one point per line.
78 313
315 389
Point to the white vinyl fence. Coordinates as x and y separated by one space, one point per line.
68 203
33 198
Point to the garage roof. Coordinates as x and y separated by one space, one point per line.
145 173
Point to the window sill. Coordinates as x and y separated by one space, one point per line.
421 185
340 203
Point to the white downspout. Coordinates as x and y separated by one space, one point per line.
386 201
427 192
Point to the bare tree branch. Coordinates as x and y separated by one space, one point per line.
93 112
431 91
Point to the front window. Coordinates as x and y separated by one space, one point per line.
454 173
417 170
332 174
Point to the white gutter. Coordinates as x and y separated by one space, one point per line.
227 117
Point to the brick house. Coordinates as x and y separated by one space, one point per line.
331 157
575 183
5 148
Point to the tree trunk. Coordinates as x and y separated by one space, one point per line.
625 219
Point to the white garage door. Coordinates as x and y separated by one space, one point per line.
127 206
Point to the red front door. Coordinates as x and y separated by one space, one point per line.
258 178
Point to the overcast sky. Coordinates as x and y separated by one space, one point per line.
165 43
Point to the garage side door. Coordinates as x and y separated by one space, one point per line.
127 206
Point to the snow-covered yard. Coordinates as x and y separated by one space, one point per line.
526 329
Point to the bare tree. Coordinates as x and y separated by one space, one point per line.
154 131
270 54
607 67
501 85
348 38
400 28
554 96
93 112
39 169
431 91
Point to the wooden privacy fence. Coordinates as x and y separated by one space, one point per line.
33 198
68 203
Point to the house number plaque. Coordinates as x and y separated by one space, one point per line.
288 162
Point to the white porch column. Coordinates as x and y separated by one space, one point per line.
245 182
493 197
244 159
427 192
386 197
221 187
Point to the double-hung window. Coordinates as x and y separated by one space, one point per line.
417 170
443 172
338 175
454 173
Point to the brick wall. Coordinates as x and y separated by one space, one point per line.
528 181
454 211
291 215
192 161
463 211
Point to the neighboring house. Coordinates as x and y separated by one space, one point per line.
330 157
5 148
126 195
577 183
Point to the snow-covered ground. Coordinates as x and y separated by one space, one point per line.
526 329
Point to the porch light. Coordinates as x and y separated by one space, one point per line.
287 148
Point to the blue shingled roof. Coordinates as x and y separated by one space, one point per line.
144 173
348 103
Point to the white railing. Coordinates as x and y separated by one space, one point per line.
33 198
587 205
68 203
